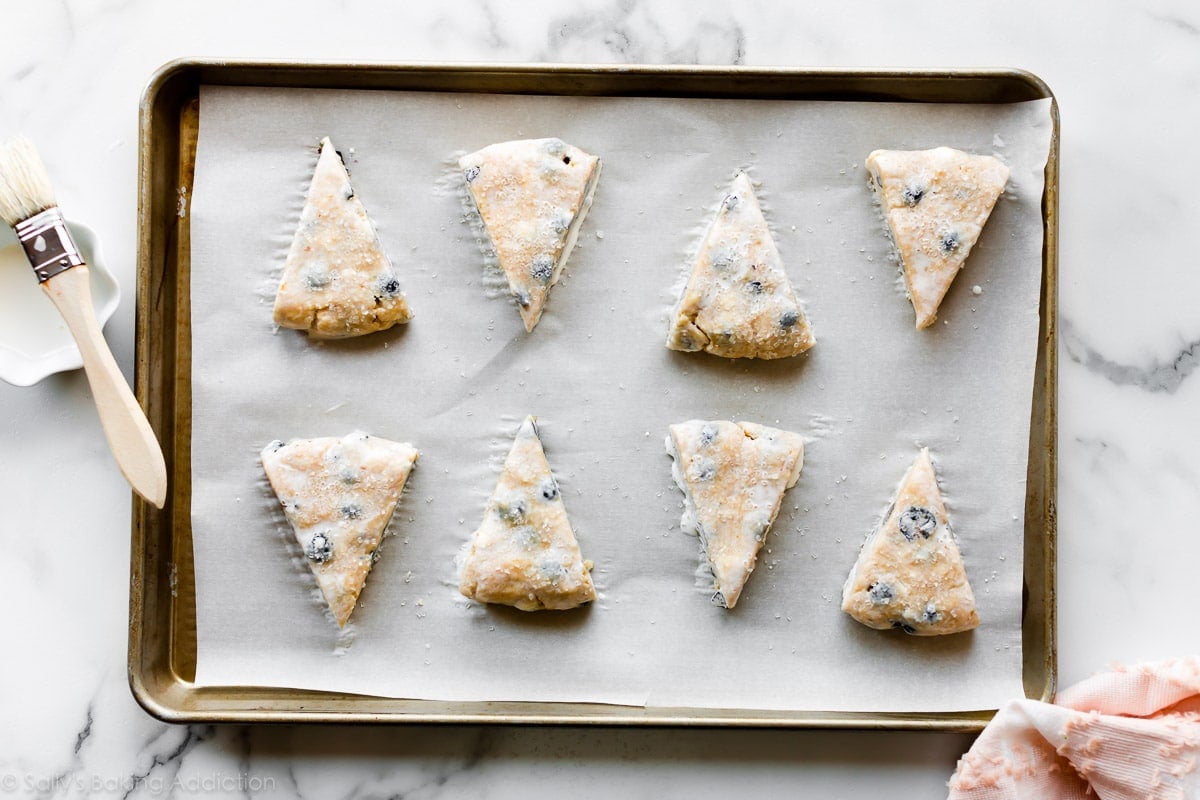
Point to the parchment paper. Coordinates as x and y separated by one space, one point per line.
459 378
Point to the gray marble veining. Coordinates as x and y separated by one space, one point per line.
1159 376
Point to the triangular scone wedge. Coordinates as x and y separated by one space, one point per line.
910 574
338 495
337 280
935 203
532 196
524 553
738 302
733 476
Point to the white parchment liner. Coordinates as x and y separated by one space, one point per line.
457 380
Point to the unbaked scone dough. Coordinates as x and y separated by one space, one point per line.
337 281
532 196
338 495
733 476
738 302
910 574
935 203
524 553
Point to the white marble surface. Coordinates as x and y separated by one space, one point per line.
1125 74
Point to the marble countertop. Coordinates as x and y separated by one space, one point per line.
1125 76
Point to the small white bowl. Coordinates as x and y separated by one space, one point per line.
34 340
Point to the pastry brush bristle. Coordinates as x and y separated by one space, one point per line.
25 187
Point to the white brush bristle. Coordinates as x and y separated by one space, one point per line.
24 185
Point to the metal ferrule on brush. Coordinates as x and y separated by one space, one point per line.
48 244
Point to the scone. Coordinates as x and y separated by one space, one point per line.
738 302
910 574
337 281
733 476
338 495
935 203
524 553
532 196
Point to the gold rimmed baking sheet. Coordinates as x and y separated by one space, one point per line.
170 109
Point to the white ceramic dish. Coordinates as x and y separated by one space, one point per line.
34 340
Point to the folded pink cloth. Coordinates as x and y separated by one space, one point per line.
1129 734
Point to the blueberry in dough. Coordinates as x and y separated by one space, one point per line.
389 286
916 520
320 548
881 593
703 469
513 512
316 280
542 268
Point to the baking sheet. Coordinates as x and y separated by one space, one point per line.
458 379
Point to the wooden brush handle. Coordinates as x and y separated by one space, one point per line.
129 435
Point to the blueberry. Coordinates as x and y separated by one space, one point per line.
703 469
471 173
914 520
708 433
523 299
788 319
549 489
719 600
316 279
542 268
881 594
527 538
913 194
552 571
352 511
512 512
349 192
904 626
560 223
755 287
730 202
722 259
931 614
320 548
386 287
949 242
348 476
275 446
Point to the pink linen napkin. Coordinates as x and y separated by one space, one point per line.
1129 734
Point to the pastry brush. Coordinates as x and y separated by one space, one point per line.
27 204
